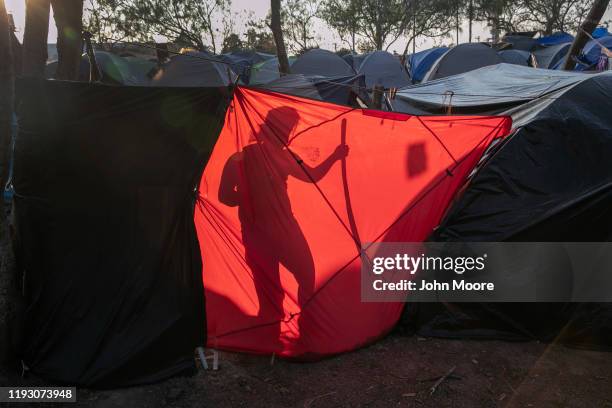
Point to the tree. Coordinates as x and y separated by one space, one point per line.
428 18
345 17
500 15
588 25
383 22
191 22
377 23
259 38
548 16
298 23
232 43
6 102
276 25
35 37
68 16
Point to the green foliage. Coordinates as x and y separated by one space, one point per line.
232 43
299 17
189 22
259 38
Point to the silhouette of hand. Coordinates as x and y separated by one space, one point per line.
341 152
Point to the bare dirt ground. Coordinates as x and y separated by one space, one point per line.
396 371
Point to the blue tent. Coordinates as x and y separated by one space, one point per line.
550 57
556 38
600 32
421 61
592 51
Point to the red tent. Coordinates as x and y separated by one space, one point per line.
293 189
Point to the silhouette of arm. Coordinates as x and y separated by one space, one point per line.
230 179
318 172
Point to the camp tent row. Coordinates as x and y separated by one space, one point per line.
117 274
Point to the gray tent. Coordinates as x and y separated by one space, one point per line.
487 90
517 57
266 71
549 57
463 58
321 62
354 60
381 67
194 69
521 42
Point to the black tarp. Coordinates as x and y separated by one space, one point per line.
104 181
340 90
551 181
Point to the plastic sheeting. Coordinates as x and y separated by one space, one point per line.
382 68
462 58
293 188
556 38
486 90
104 179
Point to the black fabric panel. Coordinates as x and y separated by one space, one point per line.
552 181
104 182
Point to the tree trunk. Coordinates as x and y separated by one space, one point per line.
6 103
35 38
277 32
470 19
587 26
69 20
7 269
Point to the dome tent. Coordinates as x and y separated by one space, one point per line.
194 68
516 57
381 67
421 62
321 62
266 71
549 57
462 58
354 60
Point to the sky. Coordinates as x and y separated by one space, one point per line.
327 38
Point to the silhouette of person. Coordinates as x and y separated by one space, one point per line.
255 180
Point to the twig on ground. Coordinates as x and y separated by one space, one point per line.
444 377
450 377
308 403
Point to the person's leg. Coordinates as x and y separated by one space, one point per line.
267 285
297 258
